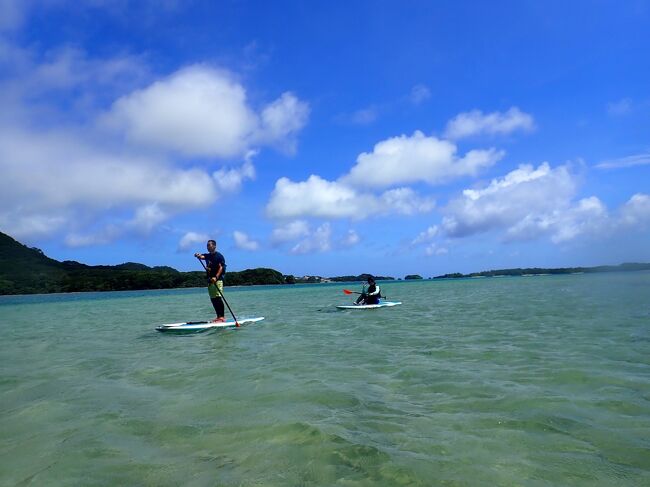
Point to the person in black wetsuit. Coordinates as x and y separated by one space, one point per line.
369 294
216 265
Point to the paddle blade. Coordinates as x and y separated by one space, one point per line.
348 292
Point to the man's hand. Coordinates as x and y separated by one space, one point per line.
213 280
197 255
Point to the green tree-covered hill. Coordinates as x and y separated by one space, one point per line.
25 270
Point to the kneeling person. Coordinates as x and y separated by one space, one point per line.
370 294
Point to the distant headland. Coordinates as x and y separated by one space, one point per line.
27 270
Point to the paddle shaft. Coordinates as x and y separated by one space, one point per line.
347 291
220 294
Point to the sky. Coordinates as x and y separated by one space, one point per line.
328 138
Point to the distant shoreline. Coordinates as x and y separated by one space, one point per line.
25 271
538 271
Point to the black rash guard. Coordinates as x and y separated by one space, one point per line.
212 262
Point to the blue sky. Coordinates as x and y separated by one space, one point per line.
328 138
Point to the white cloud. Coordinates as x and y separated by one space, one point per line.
190 239
318 241
435 249
404 201
144 221
428 240
473 123
636 212
529 203
21 226
230 180
244 242
419 94
588 216
201 111
404 159
525 194
51 169
282 120
623 162
33 82
290 231
63 177
147 218
351 239
427 236
101 237
317 197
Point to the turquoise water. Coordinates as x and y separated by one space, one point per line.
533 381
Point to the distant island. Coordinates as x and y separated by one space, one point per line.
320 279
538 271
27 270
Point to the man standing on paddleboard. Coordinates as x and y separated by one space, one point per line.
216 268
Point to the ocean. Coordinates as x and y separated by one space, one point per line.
523 381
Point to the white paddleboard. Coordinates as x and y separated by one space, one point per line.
382 304
198 326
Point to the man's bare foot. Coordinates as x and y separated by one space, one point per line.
219 320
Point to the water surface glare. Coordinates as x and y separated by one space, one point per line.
533 381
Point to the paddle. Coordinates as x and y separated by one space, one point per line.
347 291
222 296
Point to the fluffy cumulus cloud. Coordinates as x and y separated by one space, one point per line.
317 241
290 231
410 159
528 203
192 239
244 242
60 177
66 174
202 111
317 197
231 180
282 120
475 122
527 194
636 212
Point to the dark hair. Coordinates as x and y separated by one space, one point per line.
371 279
213 242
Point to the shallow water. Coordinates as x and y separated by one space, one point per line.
506 381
